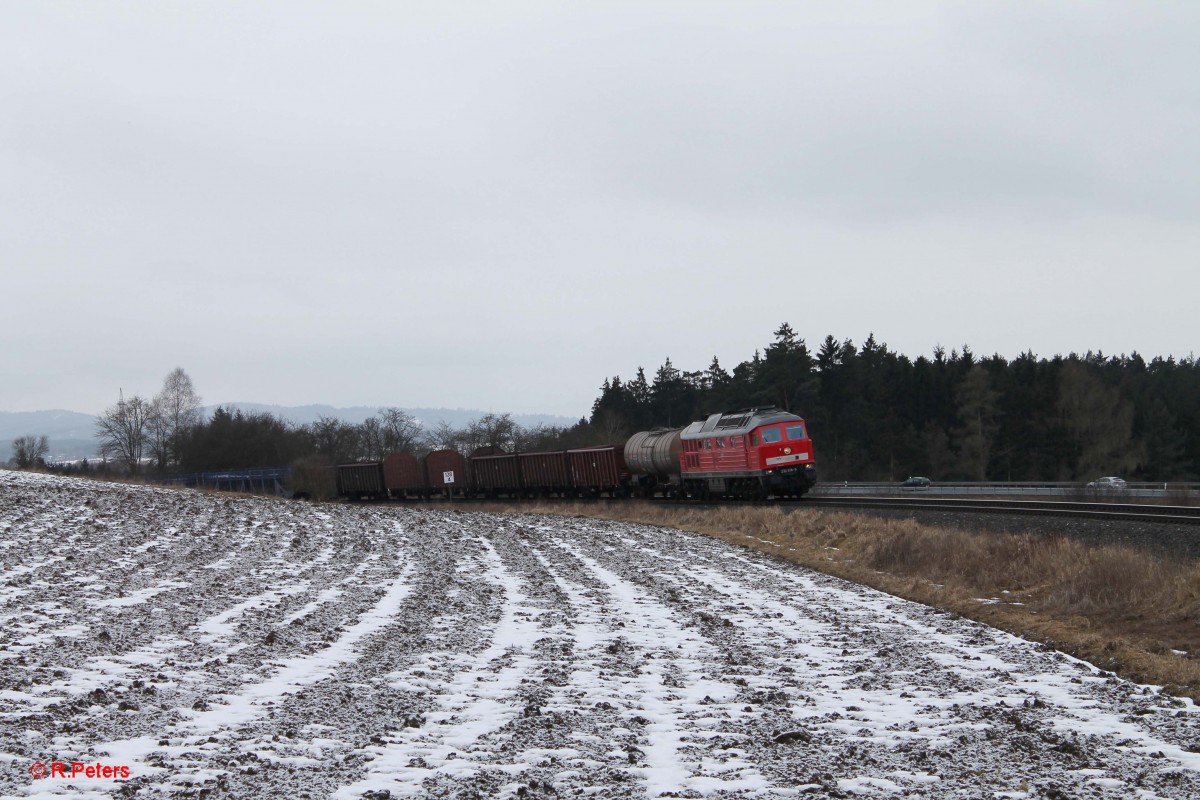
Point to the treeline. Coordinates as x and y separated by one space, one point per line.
168 434
873 414
234 439
878 415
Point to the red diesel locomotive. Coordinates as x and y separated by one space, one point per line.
756 453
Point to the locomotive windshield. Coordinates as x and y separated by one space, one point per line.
794 432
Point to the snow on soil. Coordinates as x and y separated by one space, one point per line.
224 647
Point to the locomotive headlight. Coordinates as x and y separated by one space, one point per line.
787 451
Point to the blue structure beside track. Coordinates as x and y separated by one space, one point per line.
250 481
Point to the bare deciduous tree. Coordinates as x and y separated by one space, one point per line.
158 435
122 431
401 430
30 451
442 436
371 440
492 430
609 426
336 441
175 410
537 438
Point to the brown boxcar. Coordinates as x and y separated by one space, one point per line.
359 481
493 476
545 473
596 470
446 473
404 475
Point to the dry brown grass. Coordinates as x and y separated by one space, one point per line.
1123 609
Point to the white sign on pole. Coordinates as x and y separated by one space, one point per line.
448 476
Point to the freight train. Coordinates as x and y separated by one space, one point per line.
752 454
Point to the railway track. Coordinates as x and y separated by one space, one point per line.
1114 512
1117 512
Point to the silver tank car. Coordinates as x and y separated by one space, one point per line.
653 456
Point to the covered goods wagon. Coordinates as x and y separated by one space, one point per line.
446 473
361 481
494 476
545 473
599 470
404 475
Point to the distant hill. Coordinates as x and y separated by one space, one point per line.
72 434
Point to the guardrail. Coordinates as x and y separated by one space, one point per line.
1179 493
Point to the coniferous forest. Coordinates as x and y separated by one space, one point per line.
878 415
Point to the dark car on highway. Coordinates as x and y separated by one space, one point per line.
915 482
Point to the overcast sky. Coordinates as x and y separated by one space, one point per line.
497 205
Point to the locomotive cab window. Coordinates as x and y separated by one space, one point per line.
772 435
795 432
754 440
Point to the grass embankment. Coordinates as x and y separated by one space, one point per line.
1123 609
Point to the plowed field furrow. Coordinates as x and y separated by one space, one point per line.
653 669
239 648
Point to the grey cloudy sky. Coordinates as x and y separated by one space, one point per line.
497 205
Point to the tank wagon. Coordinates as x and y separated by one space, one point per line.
754 453
653 457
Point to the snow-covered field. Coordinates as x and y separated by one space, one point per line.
222 647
